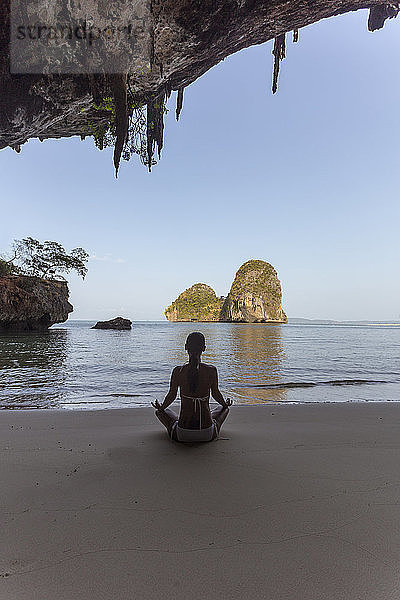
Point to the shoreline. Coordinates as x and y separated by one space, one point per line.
292 502
214 405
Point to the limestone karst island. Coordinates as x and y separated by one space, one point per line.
255 297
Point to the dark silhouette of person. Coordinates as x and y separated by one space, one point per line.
196 423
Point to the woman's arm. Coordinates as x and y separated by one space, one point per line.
173 389
216 394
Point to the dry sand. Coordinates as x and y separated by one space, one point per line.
299 502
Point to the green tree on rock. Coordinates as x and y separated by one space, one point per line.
47 260
6 268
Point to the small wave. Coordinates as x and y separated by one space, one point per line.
120 395
84 402
21 406
308 384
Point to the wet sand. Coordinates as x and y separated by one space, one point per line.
295 502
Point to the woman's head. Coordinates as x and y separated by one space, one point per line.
195 343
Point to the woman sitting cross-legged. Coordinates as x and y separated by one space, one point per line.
196 423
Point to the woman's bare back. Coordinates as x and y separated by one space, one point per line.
189 417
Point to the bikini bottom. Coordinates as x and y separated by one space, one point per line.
181 434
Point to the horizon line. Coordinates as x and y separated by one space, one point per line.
394 321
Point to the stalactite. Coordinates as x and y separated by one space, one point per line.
168 91
119 87
179 102
155 127
279 53
378 15
100 142
295 35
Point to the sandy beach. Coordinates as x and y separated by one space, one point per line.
293 502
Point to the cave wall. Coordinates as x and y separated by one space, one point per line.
185 40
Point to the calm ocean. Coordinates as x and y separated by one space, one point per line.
74 367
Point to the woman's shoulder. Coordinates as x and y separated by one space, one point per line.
176 371
203 366
182 368
208 367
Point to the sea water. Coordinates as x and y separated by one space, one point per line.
72 366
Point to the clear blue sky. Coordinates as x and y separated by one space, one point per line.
307 179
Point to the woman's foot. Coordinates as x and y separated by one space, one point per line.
219 415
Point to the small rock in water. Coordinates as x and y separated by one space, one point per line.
117 323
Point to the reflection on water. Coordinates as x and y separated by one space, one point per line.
256 355
32 368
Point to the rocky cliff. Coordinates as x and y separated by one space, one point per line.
197 303
178 41
32 303
255 295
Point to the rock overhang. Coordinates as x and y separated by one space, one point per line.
184 40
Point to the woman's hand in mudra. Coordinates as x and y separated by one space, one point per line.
228 402
157 405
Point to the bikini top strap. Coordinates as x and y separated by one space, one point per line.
197 404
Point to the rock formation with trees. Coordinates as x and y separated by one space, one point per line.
255 297
197 303
32 296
